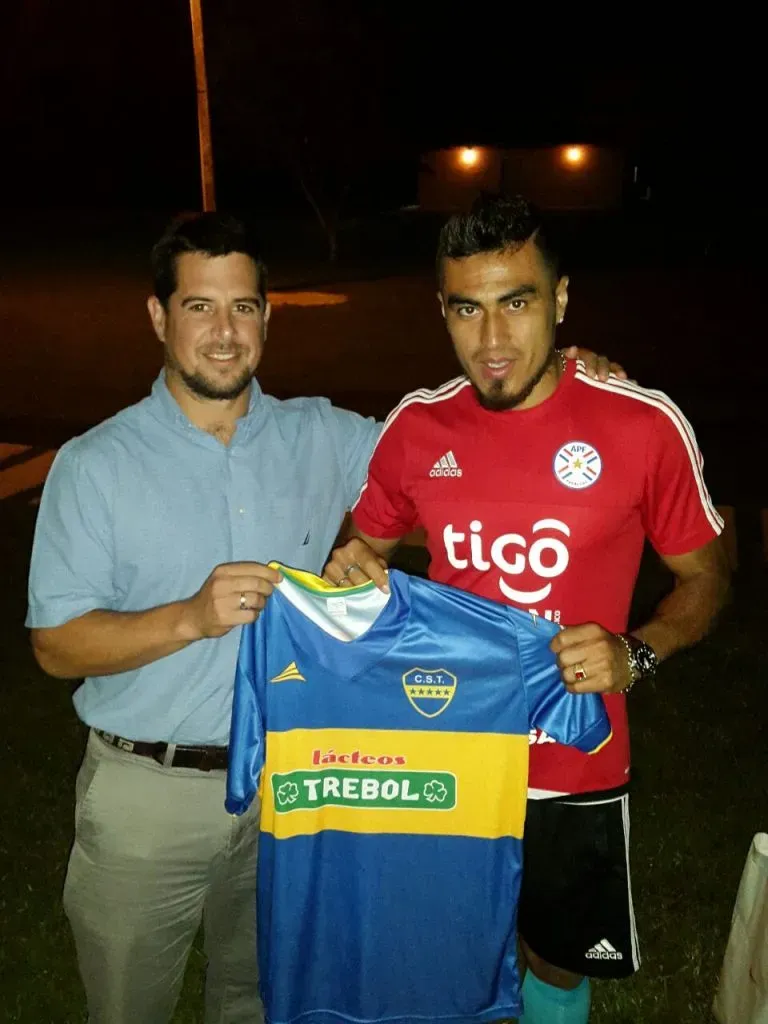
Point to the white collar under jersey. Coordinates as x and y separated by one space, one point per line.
343 614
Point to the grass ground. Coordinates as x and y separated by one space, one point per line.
701 791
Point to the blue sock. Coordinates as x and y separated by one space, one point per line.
545 1004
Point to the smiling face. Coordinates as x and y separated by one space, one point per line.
501 309
213 327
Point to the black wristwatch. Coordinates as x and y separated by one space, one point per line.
641 659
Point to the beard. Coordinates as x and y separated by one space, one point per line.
497 400
202 386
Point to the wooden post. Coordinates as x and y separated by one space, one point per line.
203 113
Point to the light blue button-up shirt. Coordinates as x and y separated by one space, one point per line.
137 512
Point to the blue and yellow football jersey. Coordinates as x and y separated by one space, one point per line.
388 737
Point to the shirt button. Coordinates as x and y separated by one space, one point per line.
242 511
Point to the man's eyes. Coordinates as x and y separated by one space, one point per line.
241 308
467 312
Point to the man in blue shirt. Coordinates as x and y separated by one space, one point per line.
152 544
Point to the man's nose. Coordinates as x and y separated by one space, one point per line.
494 332
224 325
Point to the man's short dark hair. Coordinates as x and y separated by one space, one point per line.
496 222
212 234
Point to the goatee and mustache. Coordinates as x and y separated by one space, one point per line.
497 400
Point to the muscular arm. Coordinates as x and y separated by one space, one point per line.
702 583
103 643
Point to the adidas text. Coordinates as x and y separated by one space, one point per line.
603 950
446 465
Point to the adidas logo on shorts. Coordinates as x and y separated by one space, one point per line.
446 465
603 950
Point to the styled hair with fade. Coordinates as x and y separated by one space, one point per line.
496 222
212 234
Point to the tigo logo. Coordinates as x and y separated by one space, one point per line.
543 555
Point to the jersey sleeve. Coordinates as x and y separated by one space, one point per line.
678 514
384 509
247 729
72 567
576 719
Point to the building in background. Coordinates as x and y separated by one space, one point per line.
573 177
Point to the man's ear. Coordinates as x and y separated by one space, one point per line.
158 316
442 304
561 299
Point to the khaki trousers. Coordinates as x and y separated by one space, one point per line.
154 854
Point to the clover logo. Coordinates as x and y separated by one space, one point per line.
288 793
435 792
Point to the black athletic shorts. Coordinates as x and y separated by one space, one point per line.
575 907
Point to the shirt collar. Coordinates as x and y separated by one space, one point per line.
168 411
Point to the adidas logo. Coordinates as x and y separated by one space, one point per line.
603 950
290 672
446 466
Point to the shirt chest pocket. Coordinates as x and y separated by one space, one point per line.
300 531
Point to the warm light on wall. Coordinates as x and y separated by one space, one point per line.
469 157
574 156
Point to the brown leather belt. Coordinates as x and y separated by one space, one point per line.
204 759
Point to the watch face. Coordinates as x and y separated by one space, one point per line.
646 659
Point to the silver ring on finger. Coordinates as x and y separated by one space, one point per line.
341 580
243 602
349 569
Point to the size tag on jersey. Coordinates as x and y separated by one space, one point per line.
337 607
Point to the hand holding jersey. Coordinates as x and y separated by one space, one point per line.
233 595
591 659
360 560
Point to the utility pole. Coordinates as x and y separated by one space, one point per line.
203 113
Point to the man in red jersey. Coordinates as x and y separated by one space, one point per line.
538 486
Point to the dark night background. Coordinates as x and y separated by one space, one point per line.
99 105
339 100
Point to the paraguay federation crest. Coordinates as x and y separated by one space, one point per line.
430 690
578 465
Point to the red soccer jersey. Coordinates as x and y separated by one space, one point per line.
547 509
